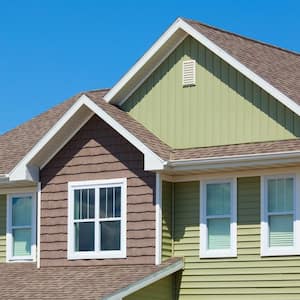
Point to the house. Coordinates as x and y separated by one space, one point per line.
180 182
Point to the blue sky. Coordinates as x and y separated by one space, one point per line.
53 49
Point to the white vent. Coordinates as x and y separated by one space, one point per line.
189 72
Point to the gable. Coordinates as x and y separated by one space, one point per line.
223 108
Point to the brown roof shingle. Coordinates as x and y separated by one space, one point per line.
25 281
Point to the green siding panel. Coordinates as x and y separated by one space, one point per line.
2 228
161 290
223 108
167 242
249 276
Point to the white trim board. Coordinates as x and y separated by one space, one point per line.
180 24
146 281
23 170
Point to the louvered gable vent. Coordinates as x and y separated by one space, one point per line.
189 72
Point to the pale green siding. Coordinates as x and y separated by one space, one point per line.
223 108
161 290
166 220
246 277
2 228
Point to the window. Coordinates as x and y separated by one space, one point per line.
218 219
97 219
279 232
21 235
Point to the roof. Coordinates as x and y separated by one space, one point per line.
72 283
15 144
236 149
279 67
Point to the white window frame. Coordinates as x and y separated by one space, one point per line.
96 184
279 251
9 232
204 251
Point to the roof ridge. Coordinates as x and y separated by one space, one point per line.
243 37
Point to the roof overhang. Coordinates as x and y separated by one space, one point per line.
161 49
146 281
81 111
235 162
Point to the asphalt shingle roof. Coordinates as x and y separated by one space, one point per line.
25 281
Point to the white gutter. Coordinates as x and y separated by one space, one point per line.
38 221
235 161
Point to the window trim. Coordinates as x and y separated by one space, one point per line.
264 234
97 254
9 236
204 252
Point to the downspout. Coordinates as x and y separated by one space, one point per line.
38 258
173 216
158 219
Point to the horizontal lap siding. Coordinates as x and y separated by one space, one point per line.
97 152
2 228
246 277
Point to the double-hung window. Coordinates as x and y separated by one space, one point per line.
97 219
280 216
218 219
21 231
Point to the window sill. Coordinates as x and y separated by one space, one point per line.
218 254
280 252
97 255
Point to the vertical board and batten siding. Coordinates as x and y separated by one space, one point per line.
2 228
167 243
97 152
247 277
160 290
224 107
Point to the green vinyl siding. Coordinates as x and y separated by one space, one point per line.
166 220
246 277
223 108
160 290
2 228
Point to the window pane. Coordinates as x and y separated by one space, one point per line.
281 231
280 194
117 202
77 204
110 202
91 204
21 242
218 233
110 235
84 236
84 207
103 203
21 211
218 199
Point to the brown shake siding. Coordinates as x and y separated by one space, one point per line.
97 152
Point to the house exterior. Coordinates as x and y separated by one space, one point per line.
180 182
